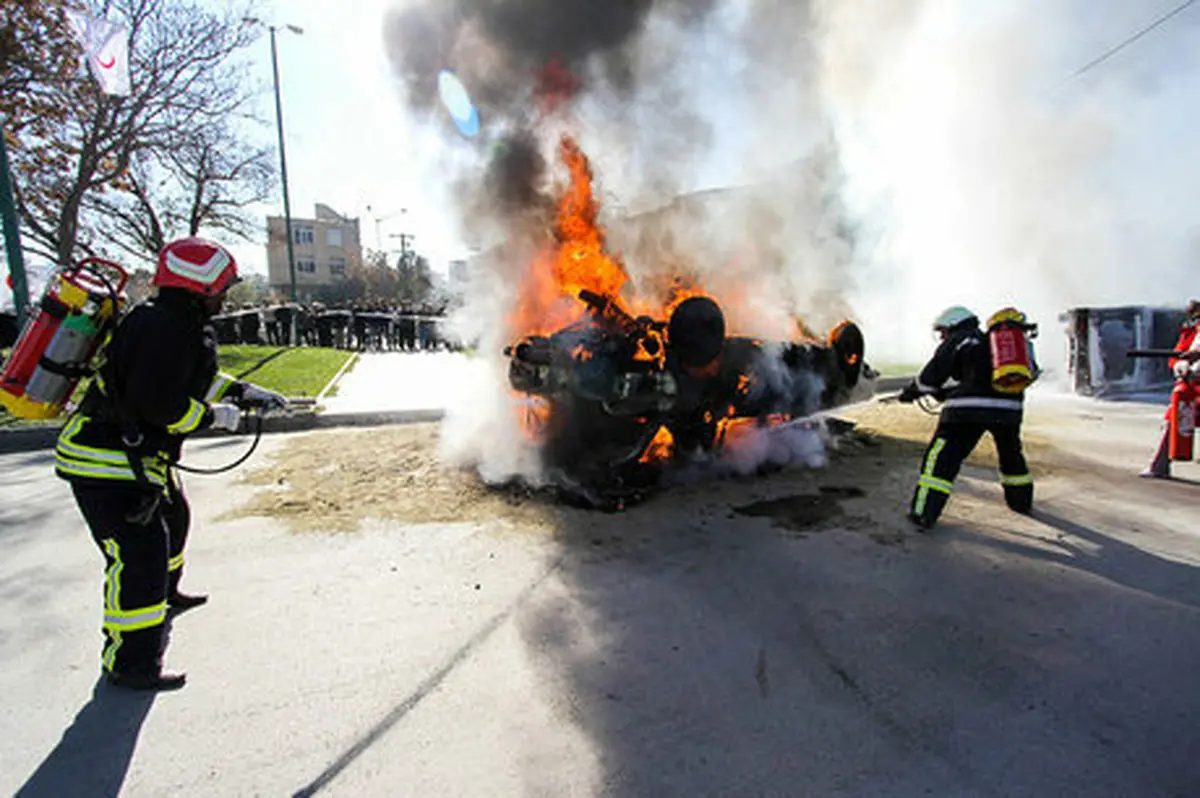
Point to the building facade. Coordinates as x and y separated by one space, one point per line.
323 248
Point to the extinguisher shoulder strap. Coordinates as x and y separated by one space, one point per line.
108 403
107 398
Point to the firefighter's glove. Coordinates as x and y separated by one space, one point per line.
910 394
258 396
226 417
1182 370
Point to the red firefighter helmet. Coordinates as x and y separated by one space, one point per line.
195 265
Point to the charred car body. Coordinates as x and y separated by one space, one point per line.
609 383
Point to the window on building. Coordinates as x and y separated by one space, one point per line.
333 237
306 266
337 267
302 235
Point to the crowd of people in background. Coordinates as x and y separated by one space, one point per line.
361 327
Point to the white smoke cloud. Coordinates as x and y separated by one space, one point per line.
984 179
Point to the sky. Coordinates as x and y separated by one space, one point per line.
352 145
349 143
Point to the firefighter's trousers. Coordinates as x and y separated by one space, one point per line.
178 517
143 560
952 443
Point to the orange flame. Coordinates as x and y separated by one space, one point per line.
577 261
660 447
581 262
549 298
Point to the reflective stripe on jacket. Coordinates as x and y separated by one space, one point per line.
84 451
960 371
154 389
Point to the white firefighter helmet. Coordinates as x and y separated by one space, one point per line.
953 316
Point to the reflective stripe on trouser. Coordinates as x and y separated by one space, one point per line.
135 575
1014 471
927 481
951 444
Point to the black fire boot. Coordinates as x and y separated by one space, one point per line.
182 601
1019 498
158 681
922 524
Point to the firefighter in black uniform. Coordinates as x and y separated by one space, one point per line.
157 383
960 375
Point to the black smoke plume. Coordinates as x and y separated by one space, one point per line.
522 59
501 48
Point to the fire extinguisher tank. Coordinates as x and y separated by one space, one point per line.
59 341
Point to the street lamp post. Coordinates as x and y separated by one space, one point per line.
287 206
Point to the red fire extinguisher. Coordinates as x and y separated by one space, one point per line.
1181 419
58 343
1009 334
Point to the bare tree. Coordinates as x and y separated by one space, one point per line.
206 183
184 75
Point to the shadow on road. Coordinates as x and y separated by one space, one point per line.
93 756
685 648
1125 564
703 652
1099 554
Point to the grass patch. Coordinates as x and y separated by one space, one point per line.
238 358
295 373
300 372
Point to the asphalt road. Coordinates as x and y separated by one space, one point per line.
642 654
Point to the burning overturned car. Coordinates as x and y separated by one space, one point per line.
618 393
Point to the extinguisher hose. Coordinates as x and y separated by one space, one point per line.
258 431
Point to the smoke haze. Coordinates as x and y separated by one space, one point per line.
895 158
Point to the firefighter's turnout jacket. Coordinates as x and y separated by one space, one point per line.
960 374
153 388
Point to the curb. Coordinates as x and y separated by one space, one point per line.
36 438
32 439
349 364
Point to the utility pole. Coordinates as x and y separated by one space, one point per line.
405 239
287 207
12 236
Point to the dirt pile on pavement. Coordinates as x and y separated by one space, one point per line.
909 423
333 480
